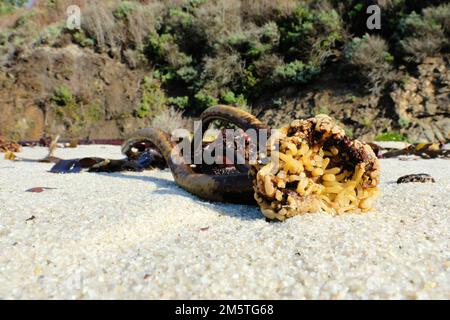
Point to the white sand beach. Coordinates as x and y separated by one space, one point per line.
140 236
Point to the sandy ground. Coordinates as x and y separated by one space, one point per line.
138 235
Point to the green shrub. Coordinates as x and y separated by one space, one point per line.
51 3
82 39
366 122
255 41
134 58
263 10
142 111
295 30
328 28
6 8
180 102
230 98
188 74
98 23
9 6
93 112
179 18
189 29
390 136
164 50
204 100
25 20
420 36
62 96
221 72
310 33
294 73
323 109
236 51
124 9
67 110
440 15
153 98
269 34
154 45
248 83
266 64
50 34
356 10
4 38
209 49
349 132
352 98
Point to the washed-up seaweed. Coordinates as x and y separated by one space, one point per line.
10 146
422 150
147 160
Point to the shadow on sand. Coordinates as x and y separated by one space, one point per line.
164 187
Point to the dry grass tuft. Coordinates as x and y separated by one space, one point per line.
370 58
170 119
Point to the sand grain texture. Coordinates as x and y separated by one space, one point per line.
139 236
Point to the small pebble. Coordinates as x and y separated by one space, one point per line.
421 177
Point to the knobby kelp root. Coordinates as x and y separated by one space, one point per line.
316 168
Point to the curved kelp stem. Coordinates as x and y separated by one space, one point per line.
240 118
235 187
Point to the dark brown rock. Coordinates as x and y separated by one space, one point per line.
421 177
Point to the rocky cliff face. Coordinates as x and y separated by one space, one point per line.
107 91
104 91
416 106
422 103
130 60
